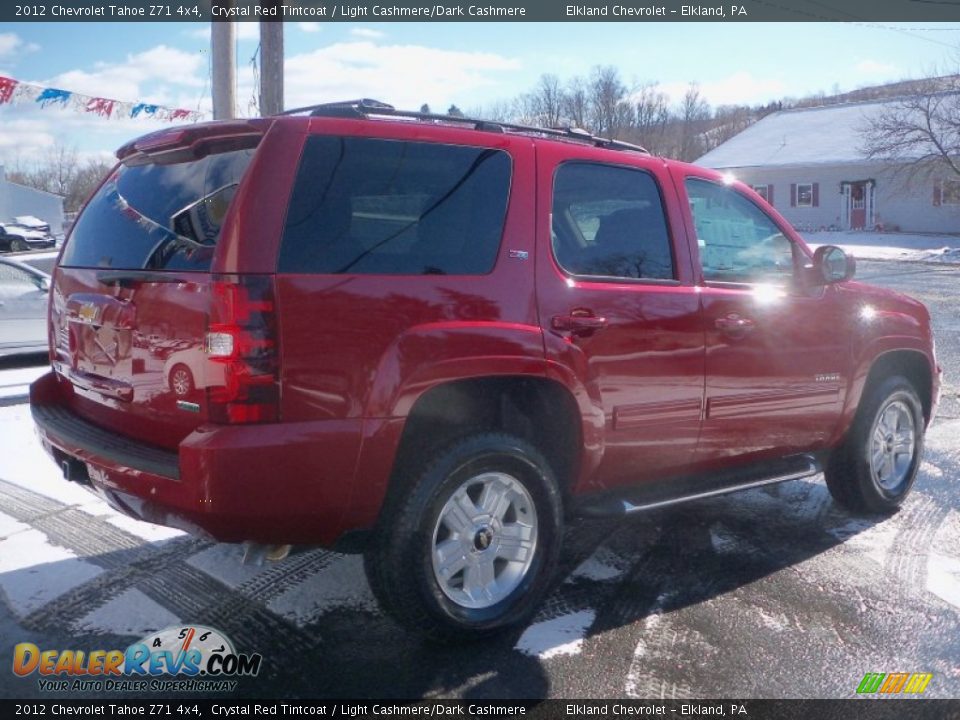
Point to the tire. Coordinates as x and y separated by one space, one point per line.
181 380
874 469
18 245
472 546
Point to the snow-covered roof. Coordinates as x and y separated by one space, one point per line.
31 221
833 134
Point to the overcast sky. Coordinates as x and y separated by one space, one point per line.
471 65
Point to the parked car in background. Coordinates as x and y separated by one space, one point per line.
23 308
33 223
18 238
188 371
435 340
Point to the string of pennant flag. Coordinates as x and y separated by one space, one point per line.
14 92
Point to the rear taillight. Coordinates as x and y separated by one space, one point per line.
242 342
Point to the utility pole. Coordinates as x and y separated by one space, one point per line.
271 65
223 47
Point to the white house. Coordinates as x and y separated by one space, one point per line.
810 164
18 199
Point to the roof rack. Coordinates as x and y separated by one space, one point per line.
365 108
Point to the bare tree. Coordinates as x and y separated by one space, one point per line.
652 117
694 118
53 172
730 120
60 171
920 131
498 111
610 109
576 104
547 101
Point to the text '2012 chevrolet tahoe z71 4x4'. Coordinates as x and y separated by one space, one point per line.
436 339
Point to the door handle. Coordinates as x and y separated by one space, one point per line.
578 323
734 325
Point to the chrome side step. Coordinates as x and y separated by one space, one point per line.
681 490
811 469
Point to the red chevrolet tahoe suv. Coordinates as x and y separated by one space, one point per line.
434 340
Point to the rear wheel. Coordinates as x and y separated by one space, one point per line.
18 245
875 468
473 546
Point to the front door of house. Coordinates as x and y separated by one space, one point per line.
858 206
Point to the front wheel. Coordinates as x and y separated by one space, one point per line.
181 380
18 245
473 546
875 468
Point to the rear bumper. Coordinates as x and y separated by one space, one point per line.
271 483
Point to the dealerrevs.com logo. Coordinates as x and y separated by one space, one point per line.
894 683
177 659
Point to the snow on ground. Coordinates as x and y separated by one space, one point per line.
9 526
890 246
33 571
561 635
23 461
943 578
943 567
601 566
16 381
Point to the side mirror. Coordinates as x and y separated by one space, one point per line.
832 265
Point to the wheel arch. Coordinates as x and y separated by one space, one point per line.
912 365
892 356
535 408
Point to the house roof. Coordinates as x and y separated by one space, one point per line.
833 134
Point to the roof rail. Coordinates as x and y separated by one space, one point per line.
365 108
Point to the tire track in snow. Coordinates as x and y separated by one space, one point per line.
157 570
908 557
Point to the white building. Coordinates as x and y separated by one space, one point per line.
18 199
810 165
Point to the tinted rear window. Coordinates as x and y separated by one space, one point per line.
392 207
158 217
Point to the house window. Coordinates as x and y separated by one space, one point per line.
805 195
764 191
950 192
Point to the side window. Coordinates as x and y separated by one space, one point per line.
608 221
738 242
370 206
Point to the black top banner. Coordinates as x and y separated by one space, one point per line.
482 11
